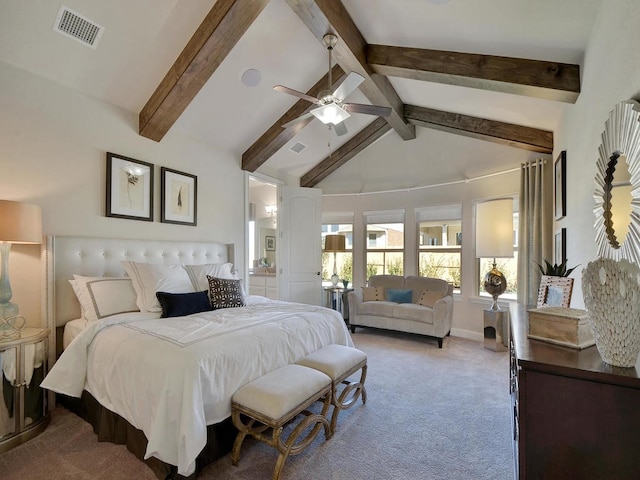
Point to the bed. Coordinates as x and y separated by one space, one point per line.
168 380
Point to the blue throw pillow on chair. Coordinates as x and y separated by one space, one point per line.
399 296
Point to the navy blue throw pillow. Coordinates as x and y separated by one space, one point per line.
180 304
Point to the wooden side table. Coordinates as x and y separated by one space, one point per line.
24 409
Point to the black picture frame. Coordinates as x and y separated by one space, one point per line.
129 188
178 197
269 243
560 186
560 246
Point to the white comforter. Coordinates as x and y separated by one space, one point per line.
172 377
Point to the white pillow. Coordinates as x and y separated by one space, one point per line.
149 278
101 297
198 274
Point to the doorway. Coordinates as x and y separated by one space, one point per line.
262 244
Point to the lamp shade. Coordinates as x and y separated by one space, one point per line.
494 228
334 243
330 114
20 222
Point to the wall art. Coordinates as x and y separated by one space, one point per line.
129 188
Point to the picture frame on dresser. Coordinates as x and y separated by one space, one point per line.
560 186
178 197
129 188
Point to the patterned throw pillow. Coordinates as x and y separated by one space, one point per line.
372 294
429 298
225 293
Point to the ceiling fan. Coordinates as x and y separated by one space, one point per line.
331 109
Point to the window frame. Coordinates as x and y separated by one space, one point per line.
384 250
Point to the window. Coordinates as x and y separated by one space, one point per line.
385 243
439 229
343 260
439 250
508 267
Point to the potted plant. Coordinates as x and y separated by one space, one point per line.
556 270
555 287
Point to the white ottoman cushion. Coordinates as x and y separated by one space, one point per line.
280 391
334 360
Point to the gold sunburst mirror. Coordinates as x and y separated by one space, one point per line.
617 192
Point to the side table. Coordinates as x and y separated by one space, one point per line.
496 330
335 299
24 409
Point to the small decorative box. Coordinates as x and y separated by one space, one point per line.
563 326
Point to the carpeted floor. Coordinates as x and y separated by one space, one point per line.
431 414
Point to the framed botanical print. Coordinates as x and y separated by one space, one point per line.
178 197
560 186
129 188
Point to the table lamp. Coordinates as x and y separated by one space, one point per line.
494 239
19 223
334 243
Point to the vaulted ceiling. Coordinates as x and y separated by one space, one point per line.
498 70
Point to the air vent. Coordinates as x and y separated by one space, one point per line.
80 28
298 147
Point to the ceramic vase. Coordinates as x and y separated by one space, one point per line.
611 290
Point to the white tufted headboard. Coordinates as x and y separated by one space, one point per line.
97 257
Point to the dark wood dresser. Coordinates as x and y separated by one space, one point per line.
574 416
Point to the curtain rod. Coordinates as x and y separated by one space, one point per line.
410 189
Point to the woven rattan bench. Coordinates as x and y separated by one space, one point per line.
339 363
275 399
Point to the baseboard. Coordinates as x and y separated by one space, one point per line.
469 334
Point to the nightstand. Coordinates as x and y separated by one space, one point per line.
24 410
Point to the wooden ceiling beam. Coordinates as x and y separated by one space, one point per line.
330 16
346 152
276 137
535 78
526 138
221 29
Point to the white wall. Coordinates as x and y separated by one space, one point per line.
611 74
53 145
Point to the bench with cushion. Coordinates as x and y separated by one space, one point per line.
339 363
274 400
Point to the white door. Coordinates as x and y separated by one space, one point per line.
300 249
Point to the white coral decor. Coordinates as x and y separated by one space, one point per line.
611 290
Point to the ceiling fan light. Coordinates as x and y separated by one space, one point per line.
330 114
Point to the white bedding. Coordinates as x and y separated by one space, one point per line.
71 330
172 377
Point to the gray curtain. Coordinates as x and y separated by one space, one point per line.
535 226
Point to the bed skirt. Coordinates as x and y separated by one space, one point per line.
111 427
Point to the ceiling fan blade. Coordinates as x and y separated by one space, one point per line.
348 85
340 129
297 120
295 93
368 109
